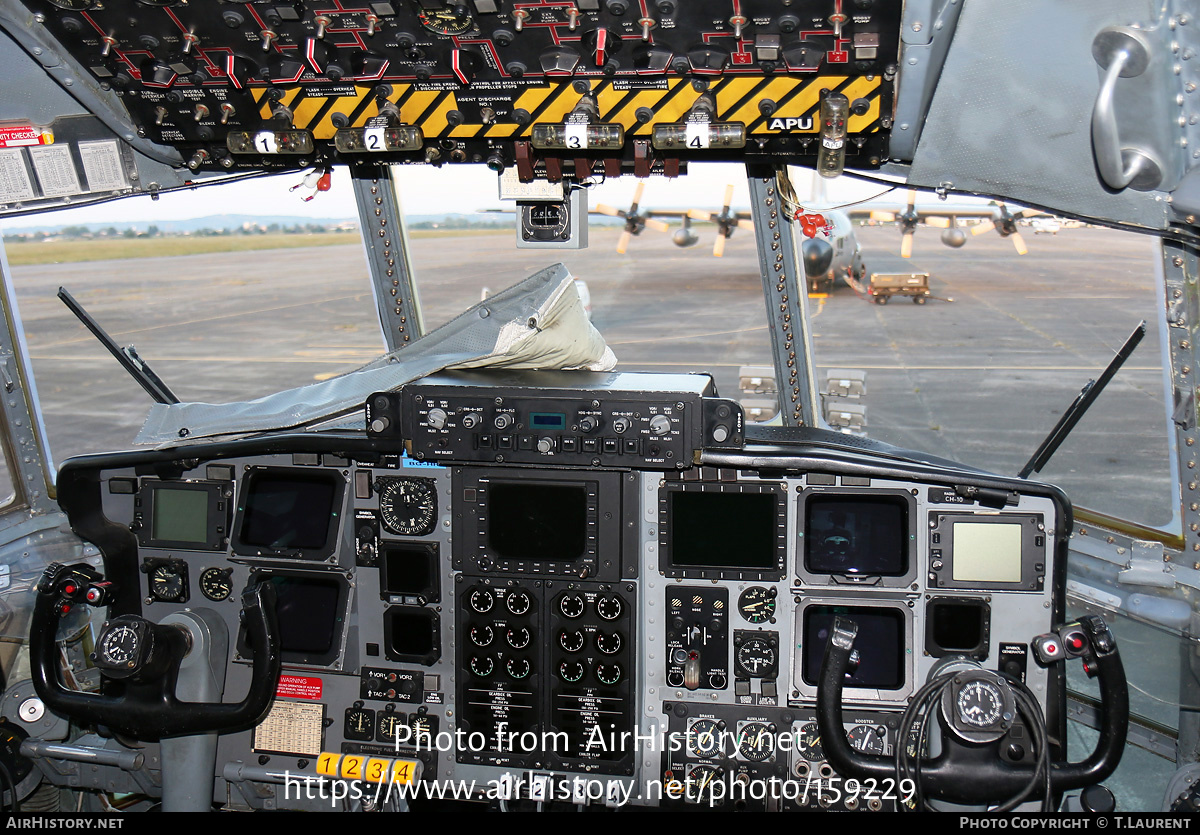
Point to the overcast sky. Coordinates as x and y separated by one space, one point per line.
426 190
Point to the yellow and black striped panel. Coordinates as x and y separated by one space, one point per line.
796 98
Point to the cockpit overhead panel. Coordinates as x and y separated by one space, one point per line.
571 87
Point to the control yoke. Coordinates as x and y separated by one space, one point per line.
139 661
976 708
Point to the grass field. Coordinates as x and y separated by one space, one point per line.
73 251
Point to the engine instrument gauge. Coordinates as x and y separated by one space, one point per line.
482 601
360 724
407 506
482 665
608 673
449 21
757 604
571 641
389 726
609 607
572 605
216 583
518 668
518 637
608 643
518 603
482 635
755 742
571 671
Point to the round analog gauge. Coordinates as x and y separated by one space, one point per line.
120 646
518 603
608 673
571 641
481 665
360 724
518 638
449 21
518 667
482 635
570 671
704 739
755 742
571 605
608 643
216 583
808 743
482 601
757 604
609 607
72 5
979 704
408 506
756 658
867 739
389 726
699 783
421 725
167 583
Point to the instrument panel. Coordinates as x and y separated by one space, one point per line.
657 633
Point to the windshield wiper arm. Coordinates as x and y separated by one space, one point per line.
128 357
1087 396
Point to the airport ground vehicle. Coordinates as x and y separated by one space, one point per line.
582 556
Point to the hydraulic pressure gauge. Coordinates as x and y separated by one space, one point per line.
808 743
867 739
407 506
452 21
755 742
704 739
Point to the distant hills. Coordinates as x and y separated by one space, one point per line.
237 221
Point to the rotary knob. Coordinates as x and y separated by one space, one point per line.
660 424
437 418
471 420
502 421
545 445
621 425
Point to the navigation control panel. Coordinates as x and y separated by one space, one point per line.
572 419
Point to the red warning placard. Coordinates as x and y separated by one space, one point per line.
299 687
16 136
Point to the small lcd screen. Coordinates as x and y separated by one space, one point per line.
547 420
713 529
410 569
880 645
288 512
863 536
987 552
412 632
537 521
309 616
180 515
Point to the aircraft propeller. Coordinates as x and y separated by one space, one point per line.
1006 225
726 221
635 221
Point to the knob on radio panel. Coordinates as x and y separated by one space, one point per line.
577 419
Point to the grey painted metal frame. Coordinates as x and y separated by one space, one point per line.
26 447
386 241
785 292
